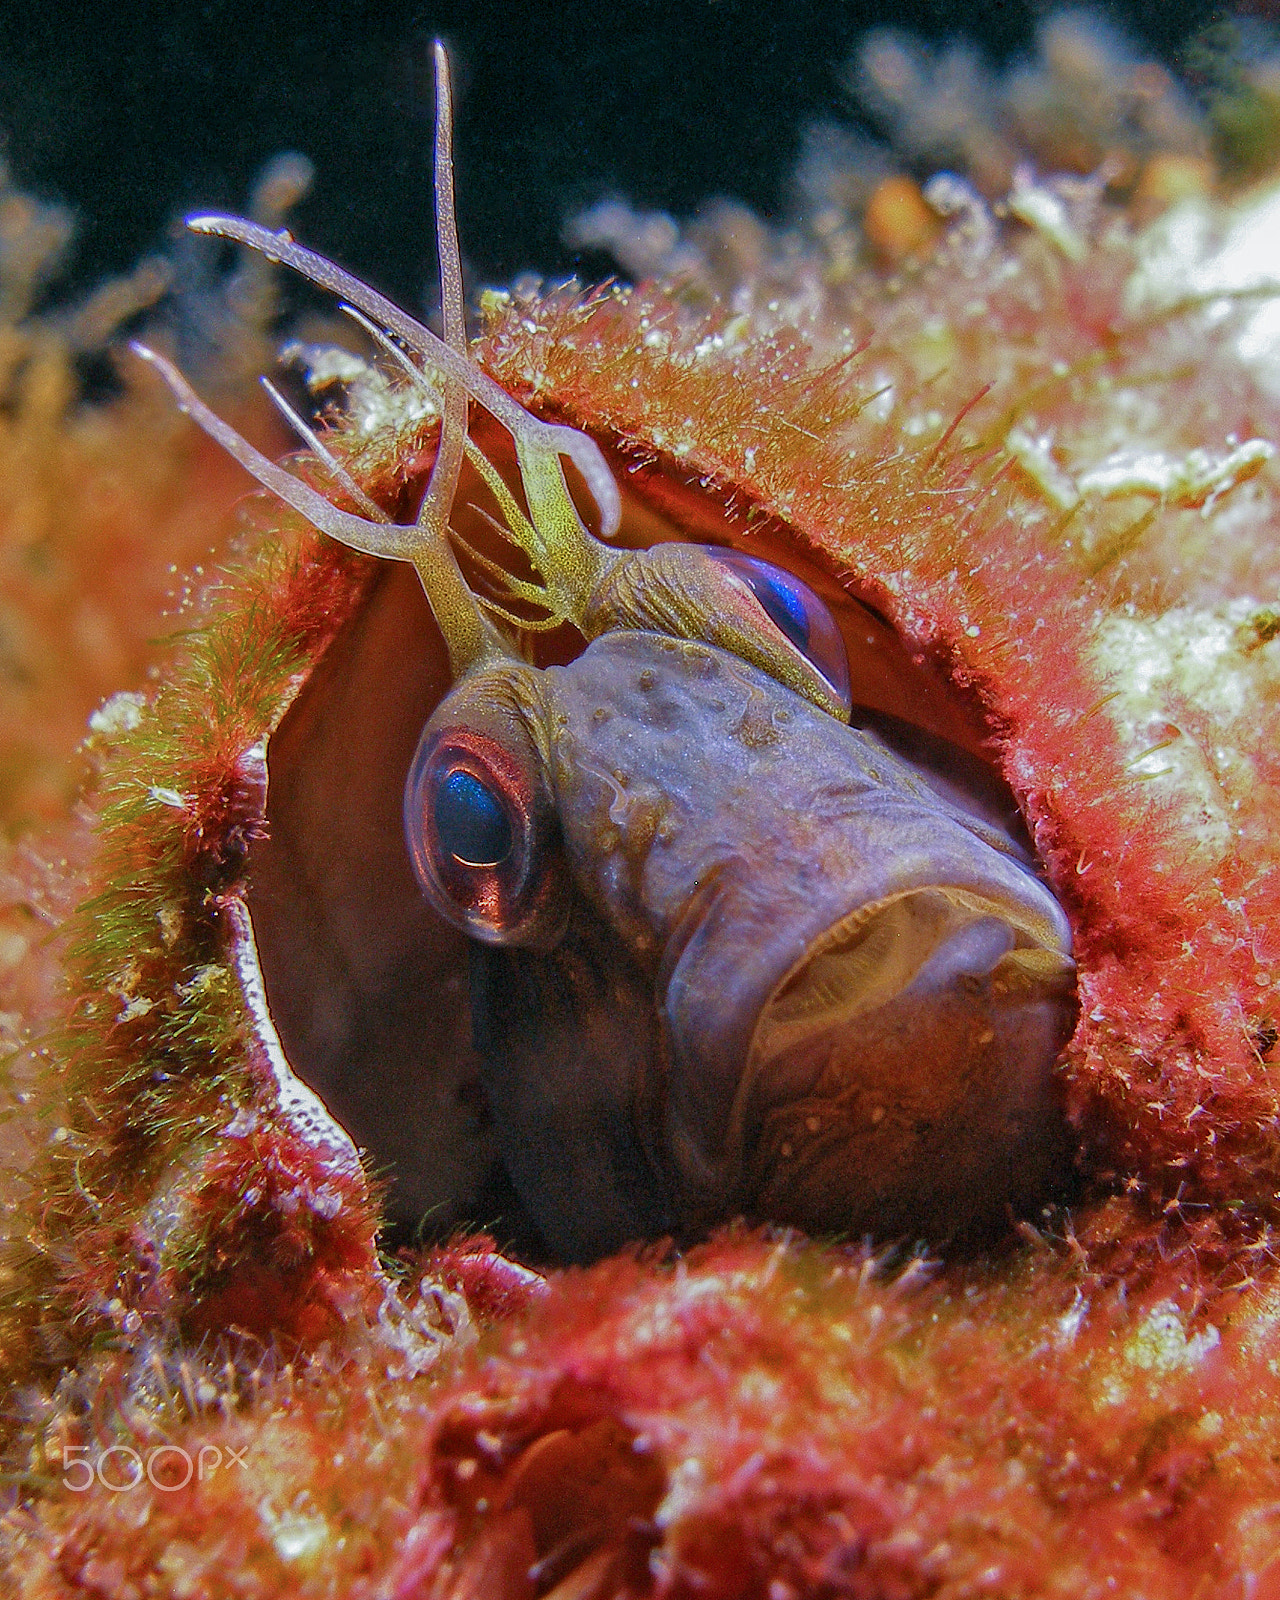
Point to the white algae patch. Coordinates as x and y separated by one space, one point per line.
1172 677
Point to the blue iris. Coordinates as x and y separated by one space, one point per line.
785 605
471 821
802 619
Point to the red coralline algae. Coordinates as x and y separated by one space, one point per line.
760 1418
110 515
992 586
1038 440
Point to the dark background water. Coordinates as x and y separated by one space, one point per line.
135 113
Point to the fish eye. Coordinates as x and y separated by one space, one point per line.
797 612
471 821
482 836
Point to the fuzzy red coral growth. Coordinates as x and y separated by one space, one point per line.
263 1253
759 1419
1046 456
493 1286
956 544
154 972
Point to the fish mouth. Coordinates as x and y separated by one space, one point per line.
899 1075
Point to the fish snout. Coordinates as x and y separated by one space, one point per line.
867 1043
900 1076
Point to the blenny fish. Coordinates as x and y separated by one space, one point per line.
373 872
730 952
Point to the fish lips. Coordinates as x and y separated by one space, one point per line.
888 1068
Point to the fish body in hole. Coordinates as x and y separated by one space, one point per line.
834 998
790 978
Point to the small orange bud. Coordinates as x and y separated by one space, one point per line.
898 221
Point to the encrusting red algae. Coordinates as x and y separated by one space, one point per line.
1025 415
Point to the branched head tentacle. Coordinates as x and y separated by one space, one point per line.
677 590
437 502
322 453
545 441
471 638
570 562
